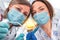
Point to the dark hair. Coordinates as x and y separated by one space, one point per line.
50 8
13 2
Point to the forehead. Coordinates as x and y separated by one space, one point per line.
21 6
38 4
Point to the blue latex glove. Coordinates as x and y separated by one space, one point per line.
3 30
20 37
31 36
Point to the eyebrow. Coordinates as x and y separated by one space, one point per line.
39 7
19 7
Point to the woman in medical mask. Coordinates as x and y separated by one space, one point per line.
16 13
16 7
42 13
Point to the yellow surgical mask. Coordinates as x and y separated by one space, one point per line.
30 24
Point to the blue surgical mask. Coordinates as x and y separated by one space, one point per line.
41 18
15 16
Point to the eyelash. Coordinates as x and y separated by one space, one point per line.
25 13
34 12
41 9
18 9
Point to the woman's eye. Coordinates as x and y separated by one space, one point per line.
25 13
18 9
33 12
42 9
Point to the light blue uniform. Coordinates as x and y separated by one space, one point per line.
41 35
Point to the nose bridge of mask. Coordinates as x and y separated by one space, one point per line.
41 18
15 16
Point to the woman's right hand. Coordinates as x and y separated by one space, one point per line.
3 29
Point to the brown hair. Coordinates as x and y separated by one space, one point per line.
13 2
50 8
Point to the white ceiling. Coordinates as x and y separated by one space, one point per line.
4 3
55 3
